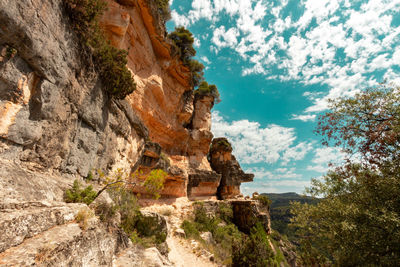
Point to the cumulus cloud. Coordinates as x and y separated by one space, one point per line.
323 157
306 117
254 144
337 43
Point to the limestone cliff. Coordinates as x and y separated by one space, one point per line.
56 117
57 123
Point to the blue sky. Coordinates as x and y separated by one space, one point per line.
276 63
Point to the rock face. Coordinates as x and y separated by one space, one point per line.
54 114
246 213
224 163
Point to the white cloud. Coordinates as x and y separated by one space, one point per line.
341 50
253 143
179 20
304 118
196 42
205 60
222 38
324 156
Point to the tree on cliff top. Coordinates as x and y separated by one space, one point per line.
183 40
357 222
206 89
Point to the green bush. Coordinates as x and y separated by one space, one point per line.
163 7
154 182
254 250
10 52
190 229
78 195
109 61
206 89
105 211
183 42
264 200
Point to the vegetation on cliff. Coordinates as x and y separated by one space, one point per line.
110 62
229 245
280 211
357 221
206 89
183 45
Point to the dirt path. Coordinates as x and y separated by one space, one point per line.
182 252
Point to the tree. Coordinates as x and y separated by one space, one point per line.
357 220
367 124
183 40
356 223
208 89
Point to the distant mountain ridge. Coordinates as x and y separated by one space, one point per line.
280 210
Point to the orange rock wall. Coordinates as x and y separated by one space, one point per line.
159 99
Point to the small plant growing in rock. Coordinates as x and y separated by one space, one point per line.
76 194
154 182
264 200
83 217
10 52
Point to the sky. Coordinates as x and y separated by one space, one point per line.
276 63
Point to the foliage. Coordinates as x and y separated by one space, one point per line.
110 62
264 201
163 7
154 182
82 218
255 250
142 230
206 89
357 221
183 41
89 176
10 52
224 232
190 229
78 195
367 124
105 211
280 211
225 212
196 68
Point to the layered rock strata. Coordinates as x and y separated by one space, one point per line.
224 163
54 114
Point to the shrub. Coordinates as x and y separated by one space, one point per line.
264 200
225 212
190 229
126 204
82 217
163 8
78 195
10 52
105 211
154 182
208 90
255 250
110 62
183 42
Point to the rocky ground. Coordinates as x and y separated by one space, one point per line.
182 252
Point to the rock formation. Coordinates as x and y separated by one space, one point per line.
57 123
224 163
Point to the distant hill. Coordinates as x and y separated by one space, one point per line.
280 210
